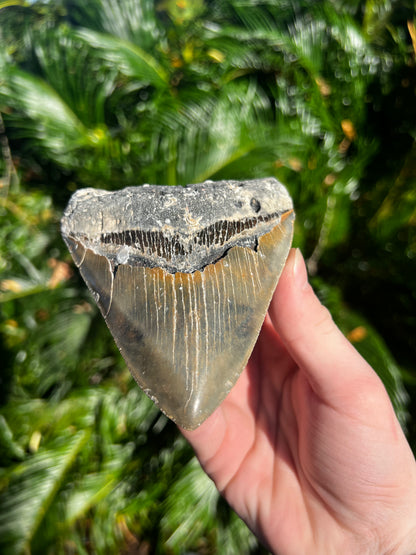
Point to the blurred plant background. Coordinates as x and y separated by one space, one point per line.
110 93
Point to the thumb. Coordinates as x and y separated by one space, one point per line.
310 335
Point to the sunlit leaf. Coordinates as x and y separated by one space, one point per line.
134 21
49 121
190 507
9 449
31 487
129 59
65 60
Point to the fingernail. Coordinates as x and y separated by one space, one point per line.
300 274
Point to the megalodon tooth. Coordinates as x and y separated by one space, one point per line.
183 277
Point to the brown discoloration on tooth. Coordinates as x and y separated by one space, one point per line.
186 334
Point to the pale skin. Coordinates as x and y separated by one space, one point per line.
306 448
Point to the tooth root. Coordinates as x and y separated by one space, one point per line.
186 336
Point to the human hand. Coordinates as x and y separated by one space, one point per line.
306 447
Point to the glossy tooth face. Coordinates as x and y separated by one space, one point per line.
183 277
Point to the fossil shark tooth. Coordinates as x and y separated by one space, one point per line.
183 277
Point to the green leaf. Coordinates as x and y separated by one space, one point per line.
9 449
133 21
92 490
46 118
31 488
194 509
129 59
189 508
65 61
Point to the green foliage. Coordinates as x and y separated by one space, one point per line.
115 93
193 503
30 490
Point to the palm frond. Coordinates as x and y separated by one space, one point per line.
132 21
207 139
30 491
10 450
129 59
65 60
190 507
194 509
41 115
